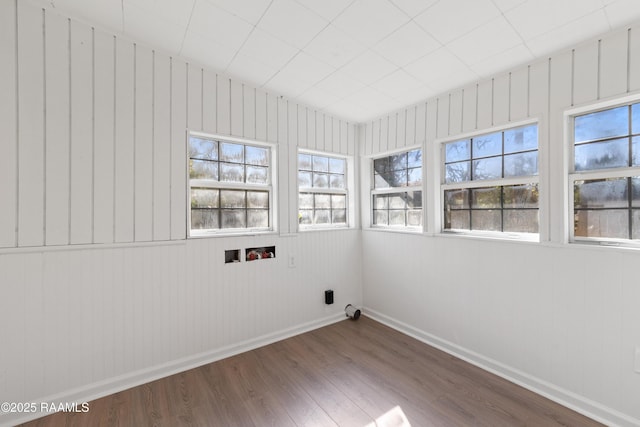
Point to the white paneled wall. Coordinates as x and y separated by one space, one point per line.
561 319
100 288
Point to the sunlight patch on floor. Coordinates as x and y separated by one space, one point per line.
394 417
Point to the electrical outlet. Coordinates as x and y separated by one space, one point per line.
637 363
292 261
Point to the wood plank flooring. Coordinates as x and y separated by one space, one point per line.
352 373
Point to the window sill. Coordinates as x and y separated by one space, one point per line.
404 230
499 237
238 233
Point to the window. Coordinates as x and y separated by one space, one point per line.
322 186
490 182
605 175
229 185
397 190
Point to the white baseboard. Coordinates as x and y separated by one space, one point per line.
571 400
143 376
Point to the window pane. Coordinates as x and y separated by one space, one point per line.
339 216
635 151
320 164
487 145
636 224
456 151
257 175
337 181
381 165
602 124
522 164
399 178
398 161
337 165
203 149
414 218
230 172
304 179
397 217
321 180
521 139
258 199
204 198
456 199
457 220
232 199
305 217
233 218
414 176
521 196
635 195
457 172
256 156
613 223
380 202
397 201
490 168
381 217
520 221
258 218
203 169
305 201
203 219
602 155
414 158
490 220
304 162
233 153
414 199
485 198
379 181
322 201
601 193
338 201
322 216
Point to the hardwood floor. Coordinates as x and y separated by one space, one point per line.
350 373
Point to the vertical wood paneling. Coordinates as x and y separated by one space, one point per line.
249 111
178 148
585 74
30 125
353 141
634 58
368 138
401 128
302 126
519 92
392 131
124 143
144 145
292 124
613 64
261 115
8 125
344 137
161 147
501 99
224 105
335 135
456 109
311 128
104 122
209 99
375 141
443 116
282 114
538 88
195 79
421 122
469 104
237 109
431 120
484 115
272 118
57 129
384 134
81 134
320 127
410 126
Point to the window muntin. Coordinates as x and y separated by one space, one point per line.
397 190
490 182
229 185
322 187
605 176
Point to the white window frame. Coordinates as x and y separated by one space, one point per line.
487 183
391 190
270 187
573 175
348 178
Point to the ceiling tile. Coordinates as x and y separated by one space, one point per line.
292 23
505 5
490 39
370 20
157 30
306 68
448 20
534 18
434 65
317 98
339 84
622 12
372 99
268 49
406 44
176 12
214 23
397 83
328 9
413 7
283 83
207 51
369 67
249 10
504 60
569 34
453 80
247 69
334 47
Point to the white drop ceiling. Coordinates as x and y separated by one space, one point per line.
356 59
